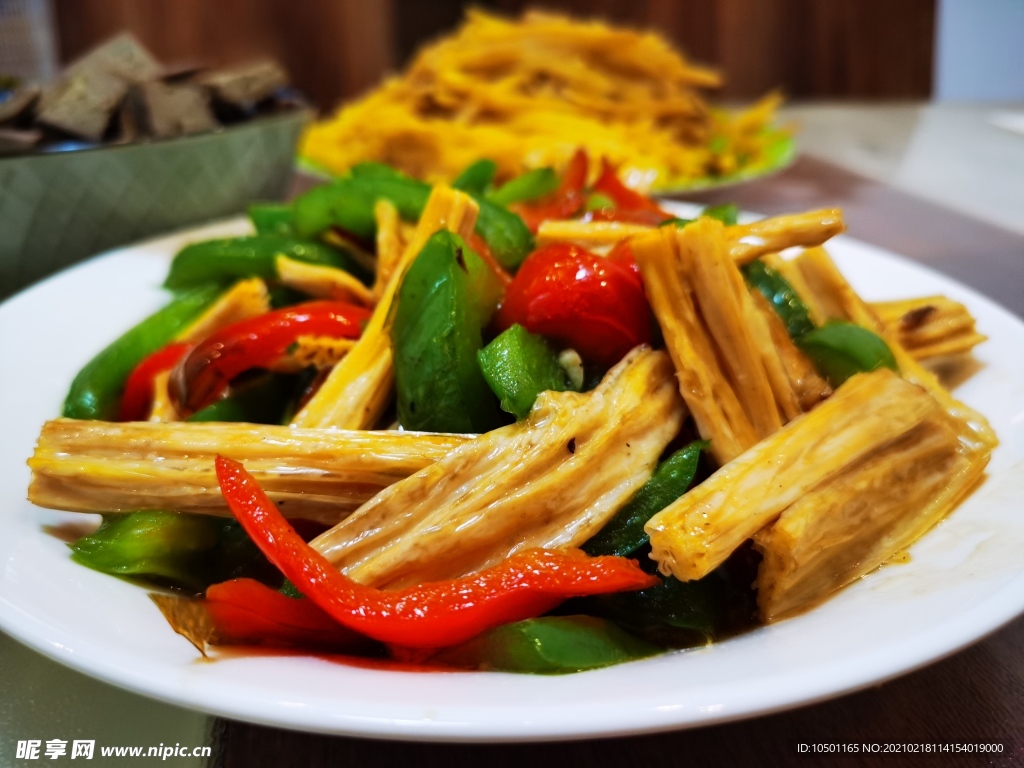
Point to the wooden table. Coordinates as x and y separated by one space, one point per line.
975 695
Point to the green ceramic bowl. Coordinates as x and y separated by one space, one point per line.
59 208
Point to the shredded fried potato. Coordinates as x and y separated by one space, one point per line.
527 93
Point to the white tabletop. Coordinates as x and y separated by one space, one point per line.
968 157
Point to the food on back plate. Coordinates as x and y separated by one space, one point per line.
118 93
526 93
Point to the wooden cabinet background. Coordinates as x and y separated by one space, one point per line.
862 49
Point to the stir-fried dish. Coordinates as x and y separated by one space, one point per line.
525 93
541 426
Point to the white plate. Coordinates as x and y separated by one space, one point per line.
964 579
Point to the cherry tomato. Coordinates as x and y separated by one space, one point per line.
581 300
622 254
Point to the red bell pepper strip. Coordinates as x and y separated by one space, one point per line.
432 615
627 201
565 202
246 612
140 386
580 300
205 373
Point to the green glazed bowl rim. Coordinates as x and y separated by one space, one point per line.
300 115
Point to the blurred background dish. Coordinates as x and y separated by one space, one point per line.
526 92
118 146
58 208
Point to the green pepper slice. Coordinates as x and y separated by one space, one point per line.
509 239
839 350
96 391
727 213
348 204
313 211
271 218
549 645
261 401
624 534
677 222
780 294
680 612
596 202
447 297
529 186
518 366
155 544
228 259
373 169
183 550
477 178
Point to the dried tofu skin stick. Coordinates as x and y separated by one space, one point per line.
751 241
702 383
163 407
245 299
829 289
360 255
589 234
390 243
732 374
851 524
695 534
791 273
960 344
805 385
359 388
323 282
550 481
932 326
320 352
741 335
747 242
97 466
